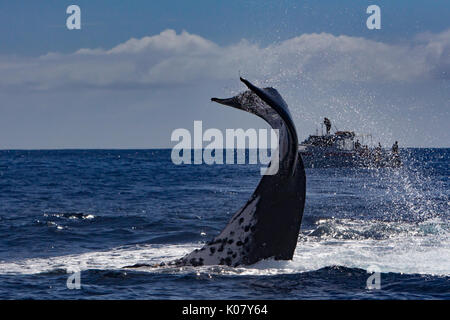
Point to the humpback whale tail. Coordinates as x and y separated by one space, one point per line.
267 226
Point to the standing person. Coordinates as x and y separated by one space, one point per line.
396 162
327 124
395 147
377 153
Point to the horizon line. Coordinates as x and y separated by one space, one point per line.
165 148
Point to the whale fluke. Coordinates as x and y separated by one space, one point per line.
267 226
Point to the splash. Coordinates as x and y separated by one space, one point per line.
399 247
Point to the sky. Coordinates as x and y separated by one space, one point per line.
137 70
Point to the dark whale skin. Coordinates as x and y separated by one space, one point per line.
267 226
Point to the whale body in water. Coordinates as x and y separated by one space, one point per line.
267 226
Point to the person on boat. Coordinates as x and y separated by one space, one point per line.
395 157
378 153
327 124
357 144
395 147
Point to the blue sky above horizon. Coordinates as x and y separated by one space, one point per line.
36 27
393 82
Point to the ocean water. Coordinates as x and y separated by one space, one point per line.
96 211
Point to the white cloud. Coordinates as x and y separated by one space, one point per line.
169 58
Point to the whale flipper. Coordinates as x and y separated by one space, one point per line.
267 226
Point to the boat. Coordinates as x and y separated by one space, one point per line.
344 149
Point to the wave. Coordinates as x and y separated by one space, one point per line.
398 247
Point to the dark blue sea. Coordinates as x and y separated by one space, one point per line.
96 211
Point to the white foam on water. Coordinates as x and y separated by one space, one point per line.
410 249
422 249
103 260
